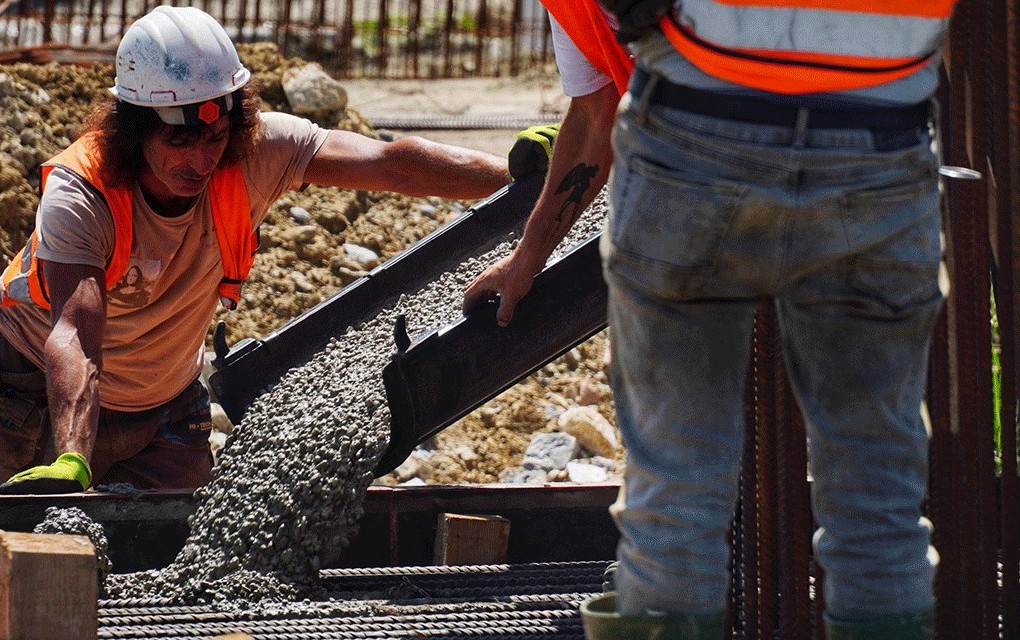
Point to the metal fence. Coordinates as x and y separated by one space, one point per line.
350 38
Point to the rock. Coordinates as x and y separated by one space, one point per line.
465 453
525 476
300 215
587 392
606 463
301 282
592 430
298 235
217 440
585 473
363 256
548 451
310 91
407 469
221 422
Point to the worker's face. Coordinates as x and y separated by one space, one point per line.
178 163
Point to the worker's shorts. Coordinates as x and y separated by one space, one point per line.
166 447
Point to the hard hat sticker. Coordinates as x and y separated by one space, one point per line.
209 112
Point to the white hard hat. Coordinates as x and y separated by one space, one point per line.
179 61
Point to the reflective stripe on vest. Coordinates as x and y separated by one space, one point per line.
585 23
808 46
23 280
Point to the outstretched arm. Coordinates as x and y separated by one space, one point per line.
413 166
578 170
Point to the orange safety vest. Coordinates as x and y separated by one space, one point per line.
808 46
585 23
23 279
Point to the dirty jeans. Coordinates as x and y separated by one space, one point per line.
707 217
166 447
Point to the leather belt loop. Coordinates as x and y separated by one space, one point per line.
800 129
651 83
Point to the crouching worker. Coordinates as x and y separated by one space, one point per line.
147 223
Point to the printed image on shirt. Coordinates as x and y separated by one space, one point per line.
135 286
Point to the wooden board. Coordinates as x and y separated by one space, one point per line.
48 587
462 539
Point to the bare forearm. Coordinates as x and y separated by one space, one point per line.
73 353
578 170
73 393
425 168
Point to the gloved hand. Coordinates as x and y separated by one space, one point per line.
532 149
636 17
70 473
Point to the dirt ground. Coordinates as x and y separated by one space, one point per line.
302 263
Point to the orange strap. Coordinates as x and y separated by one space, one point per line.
788 72
914 8
82 158
238 242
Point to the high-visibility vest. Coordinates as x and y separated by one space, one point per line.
585 23
23 280
808 46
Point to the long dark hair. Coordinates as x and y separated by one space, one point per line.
121 129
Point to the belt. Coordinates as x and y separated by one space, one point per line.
759 111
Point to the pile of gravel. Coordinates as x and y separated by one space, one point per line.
288 487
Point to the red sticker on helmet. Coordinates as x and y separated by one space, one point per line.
209 112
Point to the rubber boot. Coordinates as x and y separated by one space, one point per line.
602 622
904 626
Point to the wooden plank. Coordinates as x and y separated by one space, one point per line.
48 587
462 539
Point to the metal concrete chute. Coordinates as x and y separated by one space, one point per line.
451 370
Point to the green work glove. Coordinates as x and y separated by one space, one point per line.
532 149
70 473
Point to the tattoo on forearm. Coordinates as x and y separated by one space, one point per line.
576 182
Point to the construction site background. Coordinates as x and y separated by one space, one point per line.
349 38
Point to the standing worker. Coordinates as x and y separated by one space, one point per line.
782 150
145 224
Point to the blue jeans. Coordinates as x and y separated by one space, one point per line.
707 217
